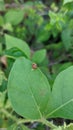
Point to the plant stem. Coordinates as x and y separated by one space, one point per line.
8 115
49 124
20 121
44 121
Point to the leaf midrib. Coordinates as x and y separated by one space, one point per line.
66 103
35 100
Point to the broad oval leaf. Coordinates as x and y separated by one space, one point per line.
61 103
14 16
12 42
28 89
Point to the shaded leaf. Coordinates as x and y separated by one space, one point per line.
39 56
14 53
12 42
67 38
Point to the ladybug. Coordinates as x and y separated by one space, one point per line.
34 66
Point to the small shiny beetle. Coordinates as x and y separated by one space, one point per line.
34 66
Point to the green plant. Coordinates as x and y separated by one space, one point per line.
33 95
32 86
36 94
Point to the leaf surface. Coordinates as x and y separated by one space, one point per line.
30 95
67 38
12 42
39 56
28 89
14 16
61 102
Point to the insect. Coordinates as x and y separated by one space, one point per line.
34 66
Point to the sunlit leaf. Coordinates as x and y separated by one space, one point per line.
28 89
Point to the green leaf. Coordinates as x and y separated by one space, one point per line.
13 53
2 5
12 42
67 1
2 99
28 89
8 27
43 34
14 16
67 38
1 21
61 103
1 77
0 48
39 56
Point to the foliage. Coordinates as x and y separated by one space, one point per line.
67 1
36 64
46 106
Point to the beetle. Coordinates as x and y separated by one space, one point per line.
34 66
